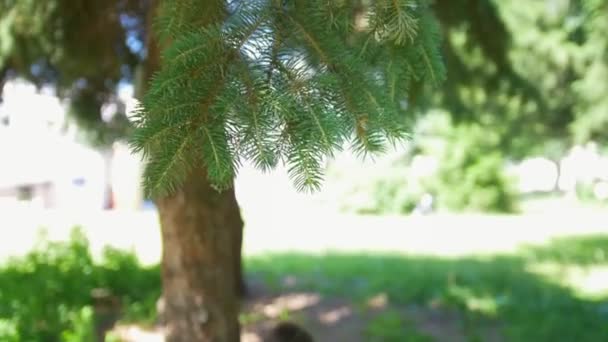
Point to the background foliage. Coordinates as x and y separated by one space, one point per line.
47 294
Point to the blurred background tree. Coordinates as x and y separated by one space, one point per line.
523 81
83 49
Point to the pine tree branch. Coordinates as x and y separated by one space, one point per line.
162 175
281 81
312 41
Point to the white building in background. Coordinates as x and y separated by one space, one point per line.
42 165
583 164
49 171
536 174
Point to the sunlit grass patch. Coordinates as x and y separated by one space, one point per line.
527 305
552 292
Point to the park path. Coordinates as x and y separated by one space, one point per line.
310 230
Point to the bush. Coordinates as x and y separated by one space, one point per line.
46 295
82 326
388 194
471 174
586 192
479 186
9 330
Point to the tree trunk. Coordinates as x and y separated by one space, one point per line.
202 233
3 72
200 262
236 224
108 194
558 176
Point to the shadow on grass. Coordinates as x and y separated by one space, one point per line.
527 306
42 295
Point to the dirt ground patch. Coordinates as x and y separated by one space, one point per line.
330 319
335 319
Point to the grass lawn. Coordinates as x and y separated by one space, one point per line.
554 292
512 298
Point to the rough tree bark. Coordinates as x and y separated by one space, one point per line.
199 261
202 234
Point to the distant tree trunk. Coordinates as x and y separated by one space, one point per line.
108 195
3 72
202 234
200 261
558 175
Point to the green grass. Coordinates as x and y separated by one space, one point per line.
44 296
528 305
583 251
390 326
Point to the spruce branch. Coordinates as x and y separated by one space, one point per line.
280 80
167 168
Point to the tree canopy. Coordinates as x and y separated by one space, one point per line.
556 56
352 68
83 48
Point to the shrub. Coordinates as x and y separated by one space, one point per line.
46 295
9 331
81 326
390 193
471 173
470 177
